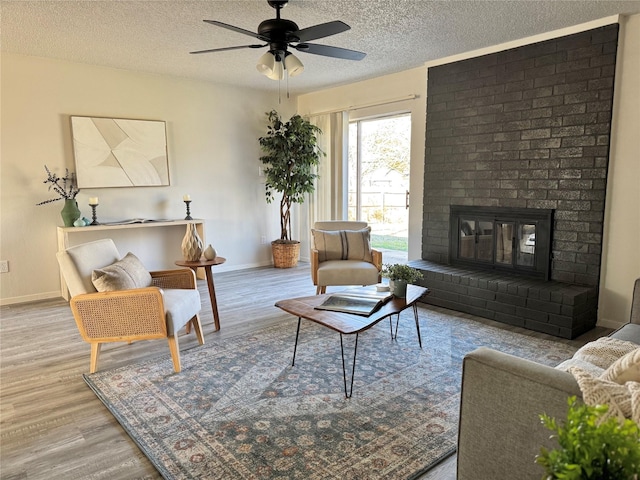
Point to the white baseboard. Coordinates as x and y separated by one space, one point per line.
603 322
30 298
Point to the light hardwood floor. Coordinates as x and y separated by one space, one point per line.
52 426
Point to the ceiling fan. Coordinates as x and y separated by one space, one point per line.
279 35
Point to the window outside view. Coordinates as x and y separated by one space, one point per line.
379 156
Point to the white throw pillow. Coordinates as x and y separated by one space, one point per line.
343 244
125 274
625 369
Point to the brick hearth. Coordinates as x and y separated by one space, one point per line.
550 307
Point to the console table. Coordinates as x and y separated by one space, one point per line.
66 235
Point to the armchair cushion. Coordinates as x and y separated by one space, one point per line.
78 263
347 272
343 244
125 274
180 306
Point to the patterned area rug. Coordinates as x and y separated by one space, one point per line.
239 410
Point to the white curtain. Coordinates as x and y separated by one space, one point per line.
329 200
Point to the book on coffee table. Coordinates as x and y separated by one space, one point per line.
358 301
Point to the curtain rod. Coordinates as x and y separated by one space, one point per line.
411 96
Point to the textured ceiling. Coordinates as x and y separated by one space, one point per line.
156 35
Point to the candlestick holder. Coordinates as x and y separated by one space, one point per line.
188 217
93 215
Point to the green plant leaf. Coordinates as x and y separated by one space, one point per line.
591 447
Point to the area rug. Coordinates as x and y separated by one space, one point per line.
239 410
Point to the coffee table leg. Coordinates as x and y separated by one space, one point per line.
415 315
353 369
295 347
394 336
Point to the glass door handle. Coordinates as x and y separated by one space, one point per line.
406 200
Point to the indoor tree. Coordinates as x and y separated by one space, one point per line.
290 156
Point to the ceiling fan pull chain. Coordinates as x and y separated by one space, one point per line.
286 74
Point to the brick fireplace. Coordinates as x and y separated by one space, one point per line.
526 128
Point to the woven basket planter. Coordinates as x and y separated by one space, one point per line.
285 255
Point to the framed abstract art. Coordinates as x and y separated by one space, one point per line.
119 152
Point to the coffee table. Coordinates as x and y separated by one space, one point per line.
348 323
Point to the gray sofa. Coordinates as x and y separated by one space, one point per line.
502 396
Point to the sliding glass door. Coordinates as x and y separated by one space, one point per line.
378 177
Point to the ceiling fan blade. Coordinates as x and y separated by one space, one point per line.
320 31
328 51
223 49
237 29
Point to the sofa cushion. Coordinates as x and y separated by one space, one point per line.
343 244
578 362
625 369
629 332
125 274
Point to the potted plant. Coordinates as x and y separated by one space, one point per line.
590 446
291 154
67 189
399 275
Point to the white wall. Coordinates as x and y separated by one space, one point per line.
212 134
621 254
621 245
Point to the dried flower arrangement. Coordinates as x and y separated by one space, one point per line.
65 187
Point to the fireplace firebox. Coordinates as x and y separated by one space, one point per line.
513 240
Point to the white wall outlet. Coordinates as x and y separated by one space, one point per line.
4 266
263 239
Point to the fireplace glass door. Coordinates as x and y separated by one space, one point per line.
516 240
504 243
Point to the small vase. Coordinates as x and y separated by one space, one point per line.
210 253
191 244
70 212
398 288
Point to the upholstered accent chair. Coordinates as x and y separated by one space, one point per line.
114 299
341 254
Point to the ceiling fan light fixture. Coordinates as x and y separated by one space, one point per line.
293 65
277 73
267 64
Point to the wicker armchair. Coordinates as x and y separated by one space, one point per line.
345 271
159 311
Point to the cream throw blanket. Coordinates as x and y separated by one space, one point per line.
608 372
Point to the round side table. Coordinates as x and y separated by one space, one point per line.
206 264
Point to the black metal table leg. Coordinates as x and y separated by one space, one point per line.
394 336
415 315
293 362
353 368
